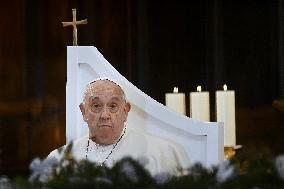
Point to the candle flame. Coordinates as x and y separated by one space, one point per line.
225 87
199 88
175 89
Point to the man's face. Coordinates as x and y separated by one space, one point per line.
105 111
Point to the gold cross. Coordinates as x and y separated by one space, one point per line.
74 23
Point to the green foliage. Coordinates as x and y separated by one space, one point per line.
246 170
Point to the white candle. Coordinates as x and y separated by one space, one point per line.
225 108
176 101
199 105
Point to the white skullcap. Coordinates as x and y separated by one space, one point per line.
104 79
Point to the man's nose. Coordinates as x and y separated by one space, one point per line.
105 113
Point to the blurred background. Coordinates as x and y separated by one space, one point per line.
156 45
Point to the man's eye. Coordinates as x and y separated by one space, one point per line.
96 107
113 105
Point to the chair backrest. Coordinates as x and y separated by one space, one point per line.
201 141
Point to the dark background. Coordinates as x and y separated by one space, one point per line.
156 45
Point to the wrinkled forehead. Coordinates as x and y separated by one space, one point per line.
103 88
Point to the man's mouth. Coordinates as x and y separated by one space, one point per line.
104 125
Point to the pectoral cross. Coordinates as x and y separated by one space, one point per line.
74 23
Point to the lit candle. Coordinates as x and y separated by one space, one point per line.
176 101
199 105
225 108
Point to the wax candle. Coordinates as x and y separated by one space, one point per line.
225 108
176 101
199 105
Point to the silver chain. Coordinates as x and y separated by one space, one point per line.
88 144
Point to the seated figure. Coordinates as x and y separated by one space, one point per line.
105 110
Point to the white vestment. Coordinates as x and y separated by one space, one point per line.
156 154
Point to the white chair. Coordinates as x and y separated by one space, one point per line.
201 141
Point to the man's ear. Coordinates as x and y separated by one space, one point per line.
83 111
127 108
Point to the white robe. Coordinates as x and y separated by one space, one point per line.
158 155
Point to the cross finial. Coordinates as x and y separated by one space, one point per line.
74 23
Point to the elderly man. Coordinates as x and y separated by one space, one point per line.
105 110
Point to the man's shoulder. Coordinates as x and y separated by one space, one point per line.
81 141
150 141
164 156
159 141
73 145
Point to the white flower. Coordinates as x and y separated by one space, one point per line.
162 178
225 171
65 163
42 170
5 183
279 164
129 171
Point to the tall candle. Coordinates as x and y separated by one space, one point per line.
176 101
199 105
225 108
